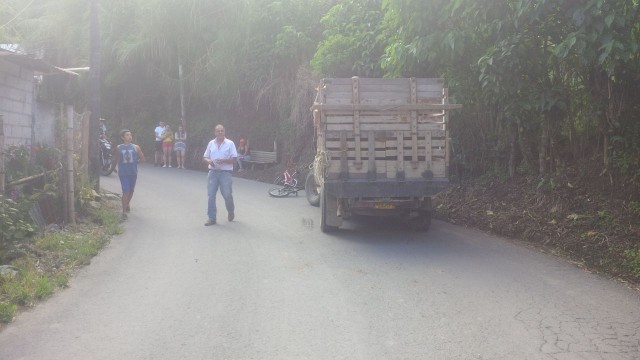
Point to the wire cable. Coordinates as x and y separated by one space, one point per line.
18 14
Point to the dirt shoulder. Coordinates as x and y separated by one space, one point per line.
580 216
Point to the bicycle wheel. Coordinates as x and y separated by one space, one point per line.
280 191
279 180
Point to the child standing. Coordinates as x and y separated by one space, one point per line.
180 146
126 166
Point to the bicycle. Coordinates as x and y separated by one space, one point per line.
290 183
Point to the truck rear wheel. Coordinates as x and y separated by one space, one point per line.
329 220
311 190
420 221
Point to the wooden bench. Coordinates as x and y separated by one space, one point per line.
264 158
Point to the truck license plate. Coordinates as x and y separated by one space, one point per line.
383 206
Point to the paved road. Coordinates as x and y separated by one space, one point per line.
270 285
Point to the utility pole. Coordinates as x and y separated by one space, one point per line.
94 94
2 154
181 80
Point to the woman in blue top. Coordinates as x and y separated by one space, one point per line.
127 159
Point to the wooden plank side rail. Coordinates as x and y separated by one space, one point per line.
264 158
383 128
378 108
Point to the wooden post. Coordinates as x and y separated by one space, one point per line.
1 155
84 156
181 81
447 149
355 90
414 123
71 211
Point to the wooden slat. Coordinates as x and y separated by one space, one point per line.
422 143
384 127
391 153
333 135
448 154
381 97
382 82
343 153
371 149
434 145
400 152
414 125
383 108
356 122
428 150
381 119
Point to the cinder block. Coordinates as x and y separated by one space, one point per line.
9 67
8 130
14 94
4 91
21 120
26 132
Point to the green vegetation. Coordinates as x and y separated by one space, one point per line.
51 259
13 221
544 83
633 260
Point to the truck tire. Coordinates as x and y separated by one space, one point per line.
311 190
422 222
329 220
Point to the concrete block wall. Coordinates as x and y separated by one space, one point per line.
45 126
16 100
17 107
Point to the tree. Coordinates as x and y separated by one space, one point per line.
352 44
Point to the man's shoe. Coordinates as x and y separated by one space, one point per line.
231 216
210 222
124 216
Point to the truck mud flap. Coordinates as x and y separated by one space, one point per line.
329 221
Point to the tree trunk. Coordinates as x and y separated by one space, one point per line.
544 146
94 95
527 156
1 154
513 127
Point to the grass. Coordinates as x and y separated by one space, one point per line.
632 259
54 257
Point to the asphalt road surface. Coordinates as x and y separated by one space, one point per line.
270 285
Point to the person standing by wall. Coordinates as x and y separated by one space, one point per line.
220 156
158 149
180 146
126 166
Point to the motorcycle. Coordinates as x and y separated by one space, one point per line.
106 156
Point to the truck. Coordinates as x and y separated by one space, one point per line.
382 148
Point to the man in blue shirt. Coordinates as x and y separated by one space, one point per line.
220 156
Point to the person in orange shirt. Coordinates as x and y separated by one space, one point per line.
167 145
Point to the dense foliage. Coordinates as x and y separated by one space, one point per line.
544 83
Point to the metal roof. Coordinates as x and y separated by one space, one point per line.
26 61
